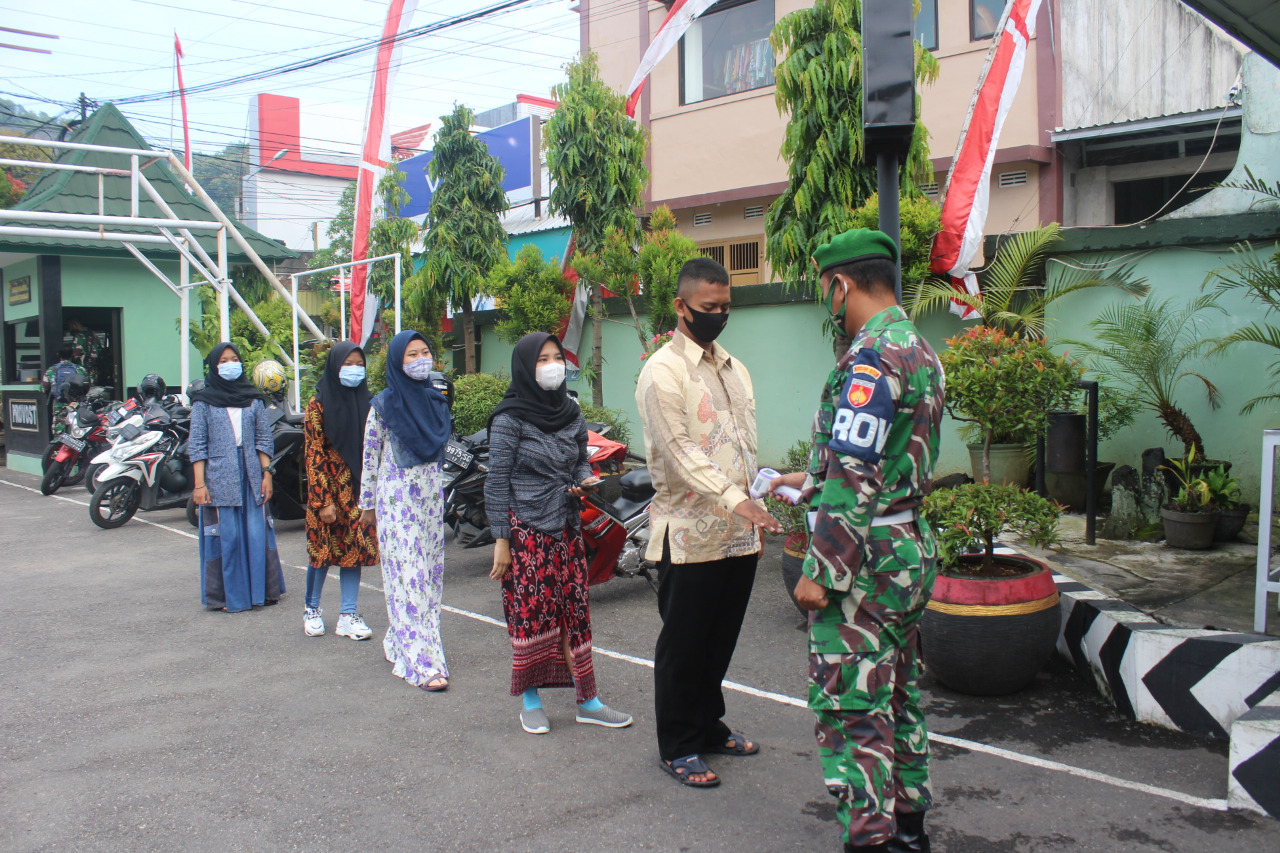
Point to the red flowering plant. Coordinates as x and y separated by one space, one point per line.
1005 385
656 343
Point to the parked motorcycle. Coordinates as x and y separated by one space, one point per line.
150 392
68 456
146 470
616 533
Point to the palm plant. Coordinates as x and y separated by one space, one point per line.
1013 296
1143 348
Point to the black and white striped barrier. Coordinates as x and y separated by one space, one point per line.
1216 683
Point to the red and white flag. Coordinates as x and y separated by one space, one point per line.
570 331
375 155
964 206
679 19
182 96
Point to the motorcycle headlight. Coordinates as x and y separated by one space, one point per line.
79 432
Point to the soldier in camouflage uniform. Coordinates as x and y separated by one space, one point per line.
59 404
89 348
870 565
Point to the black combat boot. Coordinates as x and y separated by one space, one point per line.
910 836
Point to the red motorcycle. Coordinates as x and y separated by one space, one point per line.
84 436
616 532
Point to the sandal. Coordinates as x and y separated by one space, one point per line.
436 684
741 746
684 768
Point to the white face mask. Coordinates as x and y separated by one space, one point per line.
549 376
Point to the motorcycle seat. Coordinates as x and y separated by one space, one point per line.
636 485
295 419
625 510
481 437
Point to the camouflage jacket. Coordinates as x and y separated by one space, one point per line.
90 348
875 441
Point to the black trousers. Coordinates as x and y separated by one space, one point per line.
702 605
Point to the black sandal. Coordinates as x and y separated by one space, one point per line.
684 768
739 746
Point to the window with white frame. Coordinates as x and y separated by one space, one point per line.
726 51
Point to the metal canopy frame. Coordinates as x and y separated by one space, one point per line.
168 230
342 310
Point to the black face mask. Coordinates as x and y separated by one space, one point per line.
706 326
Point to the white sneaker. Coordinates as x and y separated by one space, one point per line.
313 622
353 626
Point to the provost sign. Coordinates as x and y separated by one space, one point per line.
512 144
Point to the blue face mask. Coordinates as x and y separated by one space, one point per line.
231 370
351 375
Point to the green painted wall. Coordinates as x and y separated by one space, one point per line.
1241 373
25 268
782 345
552 243
148 316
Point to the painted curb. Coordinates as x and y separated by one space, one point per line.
1217 684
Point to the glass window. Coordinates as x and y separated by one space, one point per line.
927 24
984 16
727 51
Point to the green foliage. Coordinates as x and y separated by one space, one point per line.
819 88
794 521
1259 279
1224 490
339 233
463 238
595 155
475 397
621 426
1117 409
615 267
375 370
664 251
1005 384
1193 494
533 293
220 174
312 360
1143 347
920 222
970 517
1013 295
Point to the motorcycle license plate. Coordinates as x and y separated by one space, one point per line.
457 456
76 444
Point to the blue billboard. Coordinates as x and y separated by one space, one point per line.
511 143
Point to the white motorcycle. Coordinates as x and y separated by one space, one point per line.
146 470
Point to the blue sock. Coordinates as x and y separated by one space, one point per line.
592 704
531 699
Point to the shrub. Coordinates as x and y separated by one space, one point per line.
476 396
621 427
795 524
969 518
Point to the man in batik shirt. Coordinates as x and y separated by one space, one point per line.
870 565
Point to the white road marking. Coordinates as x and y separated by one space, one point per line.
782 699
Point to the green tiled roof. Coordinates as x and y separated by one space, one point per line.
77 192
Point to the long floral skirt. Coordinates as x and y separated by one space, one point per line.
544 598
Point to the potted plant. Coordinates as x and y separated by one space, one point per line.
1190 517
992 620
1224 493
794 521
1002 386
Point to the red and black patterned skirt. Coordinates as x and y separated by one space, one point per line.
544 598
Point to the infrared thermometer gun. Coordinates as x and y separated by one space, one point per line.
760 486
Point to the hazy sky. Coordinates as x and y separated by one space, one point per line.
111 49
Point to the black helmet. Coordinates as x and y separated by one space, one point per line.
151 387
75 387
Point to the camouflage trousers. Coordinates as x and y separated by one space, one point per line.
863 673
58 418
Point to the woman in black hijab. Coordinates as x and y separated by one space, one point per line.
400 488
537 472
334 430
230 450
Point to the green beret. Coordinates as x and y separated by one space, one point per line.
856 244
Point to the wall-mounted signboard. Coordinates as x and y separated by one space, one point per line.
514 146
20 290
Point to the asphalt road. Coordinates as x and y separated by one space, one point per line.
133 719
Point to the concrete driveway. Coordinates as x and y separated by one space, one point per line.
132 719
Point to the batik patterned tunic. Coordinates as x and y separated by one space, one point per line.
410 519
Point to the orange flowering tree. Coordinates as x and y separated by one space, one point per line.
1005 385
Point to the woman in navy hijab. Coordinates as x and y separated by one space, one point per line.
400 490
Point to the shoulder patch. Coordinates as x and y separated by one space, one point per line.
864 411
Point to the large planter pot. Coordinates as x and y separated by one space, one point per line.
1190 530
792 563
990 636
1008 464
1066 442
1071 488
1230 523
